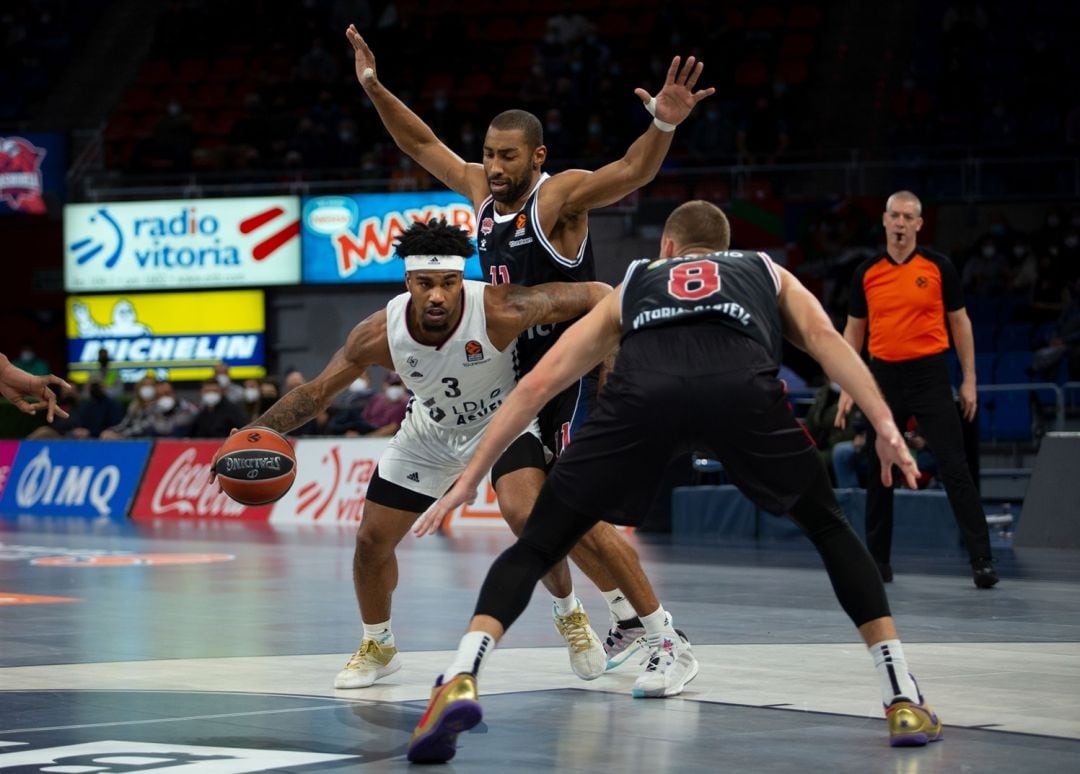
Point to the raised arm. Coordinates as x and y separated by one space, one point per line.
411 134
586 343
577 191
807 326
367 345
512 309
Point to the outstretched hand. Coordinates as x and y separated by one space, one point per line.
460 494
677 98
892 450
365 60
39 388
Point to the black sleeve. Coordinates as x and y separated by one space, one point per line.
857 303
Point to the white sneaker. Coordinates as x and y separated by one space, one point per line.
624 639
587 657
368 664
670 666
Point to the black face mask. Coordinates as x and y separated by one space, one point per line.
97 392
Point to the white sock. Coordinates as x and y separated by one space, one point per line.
565 605
892 669
472 652
379 632
619 605
658 627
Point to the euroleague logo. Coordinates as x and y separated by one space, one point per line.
474 351
921 281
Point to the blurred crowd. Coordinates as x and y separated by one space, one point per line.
151 408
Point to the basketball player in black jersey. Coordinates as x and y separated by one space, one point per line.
697 369
534 228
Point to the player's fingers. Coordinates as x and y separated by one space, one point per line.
643 95
700 95
886 473
687 71
673 70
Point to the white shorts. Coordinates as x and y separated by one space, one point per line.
426 458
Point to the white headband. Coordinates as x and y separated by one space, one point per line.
434 263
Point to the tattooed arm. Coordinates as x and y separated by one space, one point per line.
512 309
367 345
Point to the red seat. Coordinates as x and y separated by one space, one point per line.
768 17
474 86
804 16
797 44
713 190
231 69
192 70
155 71
751 73
792 70
435 83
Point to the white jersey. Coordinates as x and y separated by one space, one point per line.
459 383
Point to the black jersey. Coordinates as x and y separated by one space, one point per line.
733 289
514 249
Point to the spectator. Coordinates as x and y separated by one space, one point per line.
763 138
821 425
295 378
97 411
986 271
230 390
385 411
107 376
251 400
30 362
218 415
170 416
347 415
712 136
136 421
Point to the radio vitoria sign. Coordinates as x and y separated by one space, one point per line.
188 243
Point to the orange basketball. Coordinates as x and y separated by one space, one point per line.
255 466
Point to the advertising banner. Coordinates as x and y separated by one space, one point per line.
482 513
178 336
184 243
33 168
88 479
7 457
347 239
332 476
177 486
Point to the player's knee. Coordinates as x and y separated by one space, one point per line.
372 545
516 518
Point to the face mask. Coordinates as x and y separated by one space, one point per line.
997 229
359 385
211 399
988 251
395 392
166 403
1053 221
1019 251
222 379
147 392
251 394
1072 240
26 354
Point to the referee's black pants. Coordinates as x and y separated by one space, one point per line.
921 388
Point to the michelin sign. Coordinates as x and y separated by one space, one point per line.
176 336
188 243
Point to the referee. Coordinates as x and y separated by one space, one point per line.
906 295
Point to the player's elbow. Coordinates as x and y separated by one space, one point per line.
820 337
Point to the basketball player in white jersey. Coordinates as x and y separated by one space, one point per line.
534 228
453 342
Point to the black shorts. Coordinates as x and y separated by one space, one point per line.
679 389
564 415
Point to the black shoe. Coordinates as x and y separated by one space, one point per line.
982 570
885 570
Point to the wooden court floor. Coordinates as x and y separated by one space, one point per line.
211 648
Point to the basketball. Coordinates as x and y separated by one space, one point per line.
255 466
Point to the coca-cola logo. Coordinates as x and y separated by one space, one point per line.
186 489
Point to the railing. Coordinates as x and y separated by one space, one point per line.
969 179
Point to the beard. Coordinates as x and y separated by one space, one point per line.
515 189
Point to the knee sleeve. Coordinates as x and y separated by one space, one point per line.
852 572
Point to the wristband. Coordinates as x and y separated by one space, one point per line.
663 126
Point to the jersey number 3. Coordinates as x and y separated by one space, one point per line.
693 281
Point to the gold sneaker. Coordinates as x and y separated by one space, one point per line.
587 656
368 664
911 724
453 708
